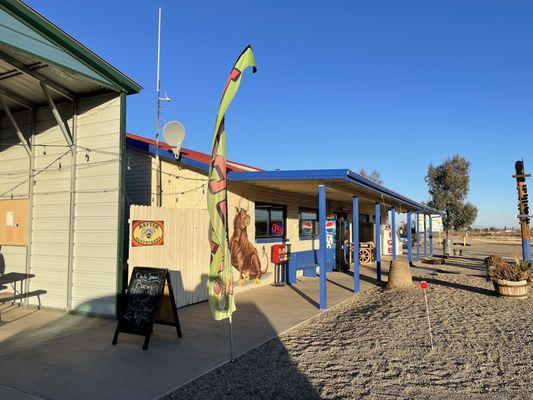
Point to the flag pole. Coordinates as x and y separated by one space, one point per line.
230 339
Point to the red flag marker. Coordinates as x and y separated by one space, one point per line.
424 285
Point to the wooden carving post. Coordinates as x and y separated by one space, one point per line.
523 209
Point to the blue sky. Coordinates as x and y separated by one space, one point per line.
384 85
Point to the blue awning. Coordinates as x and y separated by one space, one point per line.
343 181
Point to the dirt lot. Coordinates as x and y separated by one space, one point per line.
376 346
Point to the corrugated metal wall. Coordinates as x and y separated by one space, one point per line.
78 260
51 200
14 170
94 275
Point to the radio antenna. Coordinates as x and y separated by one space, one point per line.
158 120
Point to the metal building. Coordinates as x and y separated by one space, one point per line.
62 137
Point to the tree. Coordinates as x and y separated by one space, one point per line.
373 176
448 185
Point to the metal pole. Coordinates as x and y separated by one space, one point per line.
409 239
230 339
31 190
393 233
322 248
158 90
72 205
429 321
355 236
377 224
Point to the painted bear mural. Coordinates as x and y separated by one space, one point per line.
244 255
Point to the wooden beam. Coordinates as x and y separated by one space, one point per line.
15 126
37 76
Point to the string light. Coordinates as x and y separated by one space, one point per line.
35 174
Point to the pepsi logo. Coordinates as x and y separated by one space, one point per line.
277 229
330 227
307 227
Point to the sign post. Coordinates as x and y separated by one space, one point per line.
424 286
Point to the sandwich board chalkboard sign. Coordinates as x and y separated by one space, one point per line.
143 303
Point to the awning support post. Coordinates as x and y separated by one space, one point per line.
417 236
15 126
430 236
425 237
409 239
322 244
393 233
355 237
377 223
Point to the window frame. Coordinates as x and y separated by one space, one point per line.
316 226
270 237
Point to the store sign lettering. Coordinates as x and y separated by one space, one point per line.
147 233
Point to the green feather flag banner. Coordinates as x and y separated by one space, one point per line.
221 301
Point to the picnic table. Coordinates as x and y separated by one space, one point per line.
13 279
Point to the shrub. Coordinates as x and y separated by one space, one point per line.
497 268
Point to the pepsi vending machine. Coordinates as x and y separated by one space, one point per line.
331 244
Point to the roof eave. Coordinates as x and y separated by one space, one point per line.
39 23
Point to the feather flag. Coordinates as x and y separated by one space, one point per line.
221 301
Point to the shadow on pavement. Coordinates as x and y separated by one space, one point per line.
311 301
78 350
454 285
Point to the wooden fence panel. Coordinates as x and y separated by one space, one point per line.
185 251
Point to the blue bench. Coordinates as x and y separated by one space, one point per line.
302 260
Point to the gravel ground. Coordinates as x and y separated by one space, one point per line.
376 346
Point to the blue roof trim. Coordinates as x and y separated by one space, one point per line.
288 175
167 154
341 174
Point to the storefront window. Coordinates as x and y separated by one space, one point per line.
269 221
308 223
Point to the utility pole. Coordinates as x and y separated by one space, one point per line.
523 209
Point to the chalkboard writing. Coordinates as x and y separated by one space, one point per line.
144 294
143 300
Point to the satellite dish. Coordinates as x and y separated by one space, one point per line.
174 134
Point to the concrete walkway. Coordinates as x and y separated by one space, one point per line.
52 355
